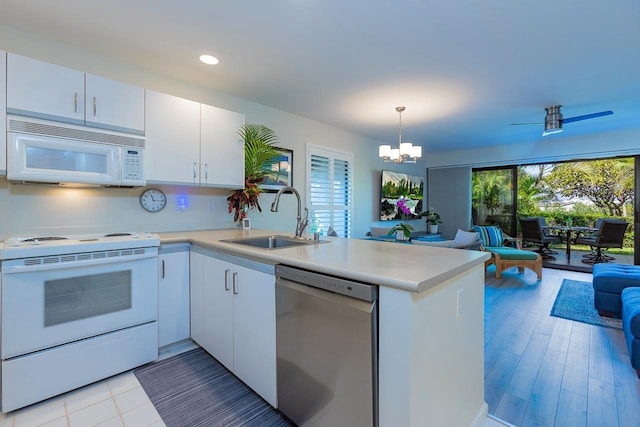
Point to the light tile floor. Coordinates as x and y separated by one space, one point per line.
119 401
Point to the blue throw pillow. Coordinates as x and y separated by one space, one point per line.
490 235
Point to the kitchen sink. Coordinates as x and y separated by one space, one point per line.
273 242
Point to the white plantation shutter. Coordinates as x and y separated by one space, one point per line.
329 189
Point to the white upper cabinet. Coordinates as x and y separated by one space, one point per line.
221 148
39 89
44 90
3 111
114 105
173 139
192 143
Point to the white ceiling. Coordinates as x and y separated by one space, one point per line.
464 69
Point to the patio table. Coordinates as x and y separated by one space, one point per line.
568 232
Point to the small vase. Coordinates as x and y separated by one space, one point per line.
433 228
400 235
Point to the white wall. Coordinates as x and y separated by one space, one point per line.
553 148
40 209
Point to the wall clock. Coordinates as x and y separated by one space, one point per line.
153 200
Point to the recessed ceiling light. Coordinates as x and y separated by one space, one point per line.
209 59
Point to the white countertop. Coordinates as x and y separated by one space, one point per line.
408 267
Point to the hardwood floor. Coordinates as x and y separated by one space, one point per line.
546 371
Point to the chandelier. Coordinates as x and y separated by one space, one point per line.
406 151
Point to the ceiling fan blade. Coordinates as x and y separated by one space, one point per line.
587 116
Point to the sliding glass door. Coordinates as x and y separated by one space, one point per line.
493 198
578 194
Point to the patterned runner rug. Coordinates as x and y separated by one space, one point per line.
194 389
575 302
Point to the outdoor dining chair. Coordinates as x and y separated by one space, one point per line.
532 232
610 234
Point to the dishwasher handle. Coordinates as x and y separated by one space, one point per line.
360 305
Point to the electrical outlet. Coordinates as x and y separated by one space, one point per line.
459 303
212 206
181 204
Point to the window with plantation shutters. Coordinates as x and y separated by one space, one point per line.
329 190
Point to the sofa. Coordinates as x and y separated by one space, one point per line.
462 240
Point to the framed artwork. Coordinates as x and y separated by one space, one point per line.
278 171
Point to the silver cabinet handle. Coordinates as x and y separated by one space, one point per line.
75 102
163 275
235 283
195 170
206 171
226 279
95 106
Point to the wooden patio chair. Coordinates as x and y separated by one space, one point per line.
493 240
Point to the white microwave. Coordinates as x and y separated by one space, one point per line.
51 152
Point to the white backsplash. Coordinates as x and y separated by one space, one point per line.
42 210
51 210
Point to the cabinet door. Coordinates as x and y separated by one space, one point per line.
172 139
218 310
44 90
173 297
3 113
114 105
196 298
221 148
254 332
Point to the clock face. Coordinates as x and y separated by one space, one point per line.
153 200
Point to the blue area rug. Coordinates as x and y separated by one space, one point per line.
194 389
575 302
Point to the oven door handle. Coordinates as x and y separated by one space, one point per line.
8 268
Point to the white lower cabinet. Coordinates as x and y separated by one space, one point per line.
233 317
173 295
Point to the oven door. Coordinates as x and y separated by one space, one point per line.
56 300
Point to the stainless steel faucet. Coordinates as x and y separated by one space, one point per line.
301 223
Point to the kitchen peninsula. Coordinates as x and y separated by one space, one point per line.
431 317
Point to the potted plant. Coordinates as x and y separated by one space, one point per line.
259 147
433 220
402 230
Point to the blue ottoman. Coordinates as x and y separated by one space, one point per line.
631 324
609 280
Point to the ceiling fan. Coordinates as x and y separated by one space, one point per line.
553 121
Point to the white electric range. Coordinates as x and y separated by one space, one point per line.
75 309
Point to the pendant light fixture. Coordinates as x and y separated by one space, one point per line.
406 151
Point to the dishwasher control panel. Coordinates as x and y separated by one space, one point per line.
362 291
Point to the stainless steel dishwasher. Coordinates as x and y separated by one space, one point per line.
327 349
